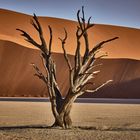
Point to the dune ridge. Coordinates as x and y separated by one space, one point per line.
127 46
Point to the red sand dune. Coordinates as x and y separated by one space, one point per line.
16 55
126 47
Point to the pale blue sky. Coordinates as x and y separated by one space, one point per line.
116 12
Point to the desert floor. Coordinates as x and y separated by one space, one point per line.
29 121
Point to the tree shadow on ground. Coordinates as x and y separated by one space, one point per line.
92 128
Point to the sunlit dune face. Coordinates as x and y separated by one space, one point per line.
127 46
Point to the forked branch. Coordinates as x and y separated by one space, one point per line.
37 26
28 38
64 50
39 74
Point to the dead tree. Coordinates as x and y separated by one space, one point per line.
80 74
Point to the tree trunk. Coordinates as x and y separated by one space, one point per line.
59 99
66 109
64 118
59 103
67 118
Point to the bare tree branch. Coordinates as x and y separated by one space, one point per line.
89 21
82 86
28 38
50 42
92 91
77 58
85 37
39 73
44 65
82 26
79 21
99 45
35 26
39 29
83 18
64 51
94 50
92 67
43 46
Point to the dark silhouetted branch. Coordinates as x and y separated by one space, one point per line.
64 51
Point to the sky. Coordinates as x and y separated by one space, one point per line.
114 12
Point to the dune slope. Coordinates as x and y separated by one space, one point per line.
17 77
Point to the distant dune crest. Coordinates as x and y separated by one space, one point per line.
126 47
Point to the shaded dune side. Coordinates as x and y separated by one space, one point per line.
16 74
127 90
125 74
